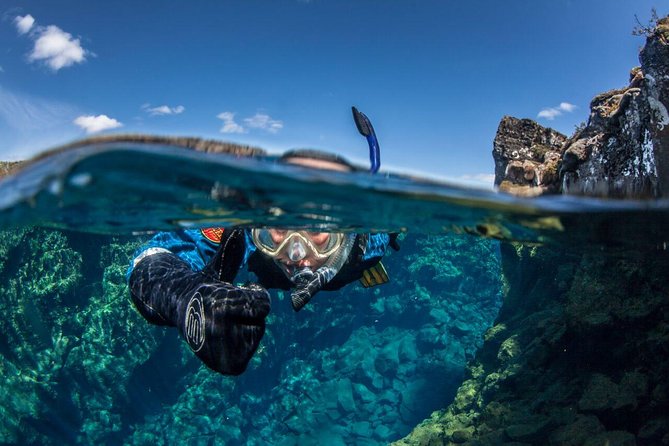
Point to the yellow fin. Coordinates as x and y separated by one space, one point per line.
376 275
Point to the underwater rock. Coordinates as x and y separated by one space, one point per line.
527 157
528 432
345 395
37 289
613 438
576 433
579 364
602 393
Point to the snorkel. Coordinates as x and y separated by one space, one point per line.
365 128
308 282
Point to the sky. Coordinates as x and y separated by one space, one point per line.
434 76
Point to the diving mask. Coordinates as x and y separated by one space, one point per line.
296 245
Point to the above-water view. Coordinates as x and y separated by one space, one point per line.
161 289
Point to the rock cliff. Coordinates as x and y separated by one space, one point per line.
578 353
622 151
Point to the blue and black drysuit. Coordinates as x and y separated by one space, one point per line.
184 279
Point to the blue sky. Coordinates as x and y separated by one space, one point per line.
435 77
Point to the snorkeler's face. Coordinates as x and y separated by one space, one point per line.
299 254
297 249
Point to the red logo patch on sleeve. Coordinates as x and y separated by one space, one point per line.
213 234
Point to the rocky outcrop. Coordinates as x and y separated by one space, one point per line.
655 66
527 157
622 152
614 155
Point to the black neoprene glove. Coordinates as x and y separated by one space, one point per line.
223 324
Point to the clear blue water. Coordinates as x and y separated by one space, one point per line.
359 366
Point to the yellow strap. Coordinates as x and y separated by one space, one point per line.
376 275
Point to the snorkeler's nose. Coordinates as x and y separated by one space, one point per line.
297 251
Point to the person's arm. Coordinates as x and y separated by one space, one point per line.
223 324
189 245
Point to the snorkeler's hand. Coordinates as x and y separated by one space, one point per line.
224 324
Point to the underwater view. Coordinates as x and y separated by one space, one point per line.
267 283
357 367
511 318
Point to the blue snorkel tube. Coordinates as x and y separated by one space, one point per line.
365 128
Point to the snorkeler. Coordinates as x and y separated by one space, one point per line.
185 278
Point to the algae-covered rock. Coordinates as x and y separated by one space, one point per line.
114 342
67 328
36 308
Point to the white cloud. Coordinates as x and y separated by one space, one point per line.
229 124
264 122
52 46
549 113
2 70
553 112
57 48
94 124
163 110
260 121
566 106
24 24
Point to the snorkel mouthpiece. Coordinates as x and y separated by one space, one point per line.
303 292
308 282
